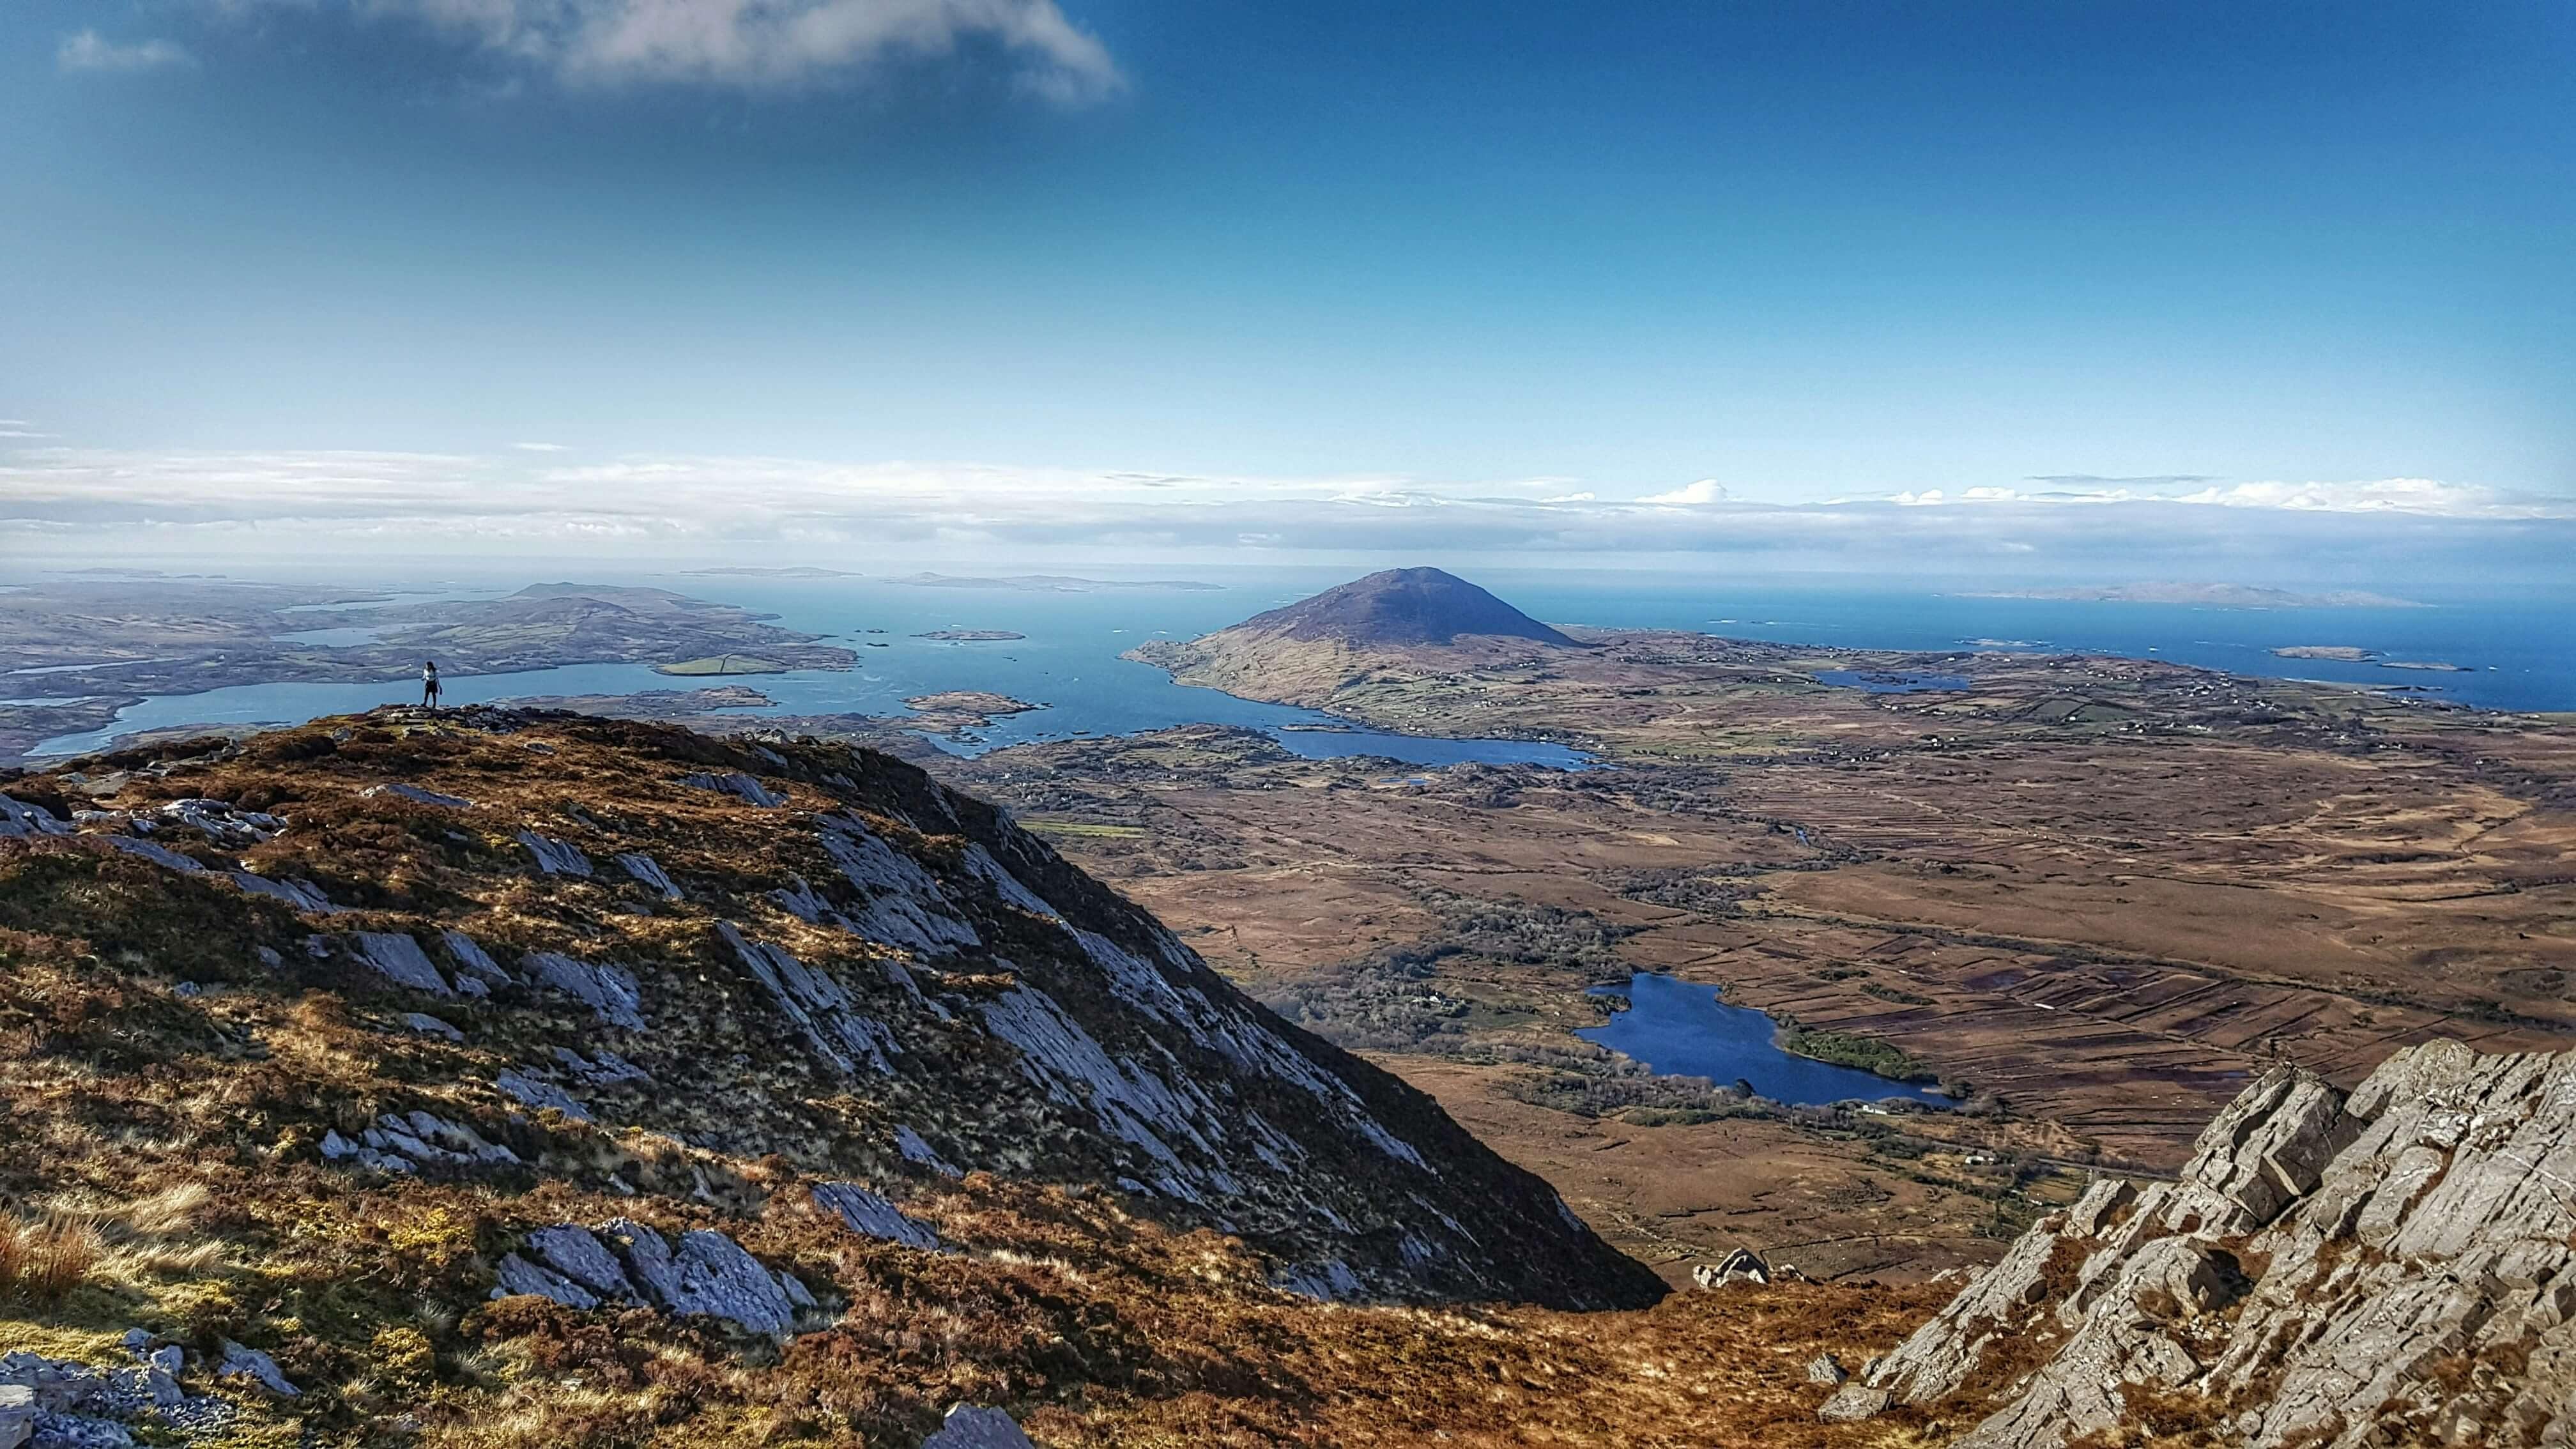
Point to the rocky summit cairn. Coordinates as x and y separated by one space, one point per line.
2396 1266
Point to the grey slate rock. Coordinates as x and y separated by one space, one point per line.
1853 1401
2396 1267
625 1261
160 855
428 1025
646 869
872 1216
244 1362
19 820
978 1428
579 1255
534 1093
419 796
556 857
399 959
476 972
739 785
302 895
611 991
79 1431
516 1276
914 1149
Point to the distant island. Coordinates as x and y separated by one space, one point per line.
1052 583
2221 596
805 572
2351 654
2342 653
970 635
956 711
722 664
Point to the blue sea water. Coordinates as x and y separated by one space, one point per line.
2516 652
1683 1030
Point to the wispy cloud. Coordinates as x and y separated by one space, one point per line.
90 51
750 45
541 447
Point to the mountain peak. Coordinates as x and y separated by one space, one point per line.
1399 607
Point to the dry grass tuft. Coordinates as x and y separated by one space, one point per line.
43 1262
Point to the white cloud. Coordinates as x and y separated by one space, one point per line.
2386 495
749 44
90 51
1693 495
2419 497
541 447
268 505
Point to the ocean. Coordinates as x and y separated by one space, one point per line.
2511 654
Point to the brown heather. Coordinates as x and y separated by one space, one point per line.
158 1168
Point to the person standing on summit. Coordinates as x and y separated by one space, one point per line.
429 684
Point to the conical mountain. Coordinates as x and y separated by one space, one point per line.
1402 607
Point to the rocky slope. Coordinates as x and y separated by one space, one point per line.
818 954
2396 1266
517 1079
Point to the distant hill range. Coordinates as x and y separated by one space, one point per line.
1052 583
1389 625
2221 596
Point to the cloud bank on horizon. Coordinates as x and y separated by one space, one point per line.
67 501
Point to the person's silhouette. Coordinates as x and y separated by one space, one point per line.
429 684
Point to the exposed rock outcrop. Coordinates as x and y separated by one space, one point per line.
2398 1266
626 1262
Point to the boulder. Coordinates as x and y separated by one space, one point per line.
19 819
1824 1368
17 1409
1740 1266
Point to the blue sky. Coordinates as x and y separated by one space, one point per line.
2090 288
